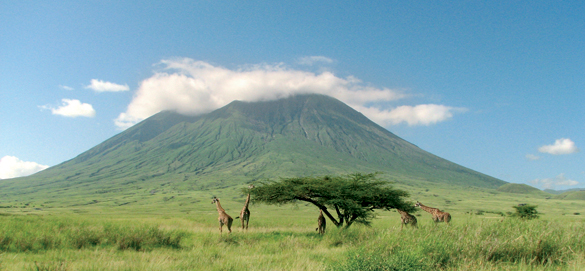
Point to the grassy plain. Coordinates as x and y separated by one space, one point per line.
179 232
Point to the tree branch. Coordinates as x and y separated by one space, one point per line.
350 221
322 207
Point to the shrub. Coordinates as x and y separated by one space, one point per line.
526 211
133 242
85 238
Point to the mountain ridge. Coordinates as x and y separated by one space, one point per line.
243 141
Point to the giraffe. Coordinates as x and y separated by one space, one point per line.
245 213
438 215
223 218
321 223
407 218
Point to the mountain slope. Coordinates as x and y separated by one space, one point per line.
572 195
297 136
518 188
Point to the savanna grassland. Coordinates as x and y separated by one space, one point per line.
181 233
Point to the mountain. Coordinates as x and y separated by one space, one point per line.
558 192
572 195
244 141
518 188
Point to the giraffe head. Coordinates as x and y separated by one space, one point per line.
214 200
417 204
251 186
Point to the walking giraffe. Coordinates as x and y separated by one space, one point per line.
245 213
321 223
223 218
407 218
438 215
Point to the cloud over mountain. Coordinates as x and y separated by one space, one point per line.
193 87
424 114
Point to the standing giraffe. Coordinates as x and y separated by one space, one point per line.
223 218
321 223
438 215
245 213
407 218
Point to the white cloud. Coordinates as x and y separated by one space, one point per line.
532 157
424 114
12 167
72 108
311 60
65 87
561 146
194 87
103 86
551 183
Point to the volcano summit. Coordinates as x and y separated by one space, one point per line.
296 136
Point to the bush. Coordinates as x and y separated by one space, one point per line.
526 211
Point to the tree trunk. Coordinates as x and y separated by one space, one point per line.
325 211
340 216
350 221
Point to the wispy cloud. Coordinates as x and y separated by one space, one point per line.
532 157
312 60
72 108
104 86
65 87
12 167
561 146
194 87
552 183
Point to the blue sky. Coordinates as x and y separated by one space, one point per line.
497 87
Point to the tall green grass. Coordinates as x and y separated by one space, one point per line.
511 242
36 234
140 243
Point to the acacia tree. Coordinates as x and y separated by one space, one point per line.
526 211
352 198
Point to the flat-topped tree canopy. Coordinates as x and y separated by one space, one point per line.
352 198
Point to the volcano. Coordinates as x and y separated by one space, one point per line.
302 135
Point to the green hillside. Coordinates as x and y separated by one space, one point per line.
518 188
558 192
241 142
572 195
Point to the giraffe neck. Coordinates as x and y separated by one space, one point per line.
401 212
428 209
219 209
247 201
